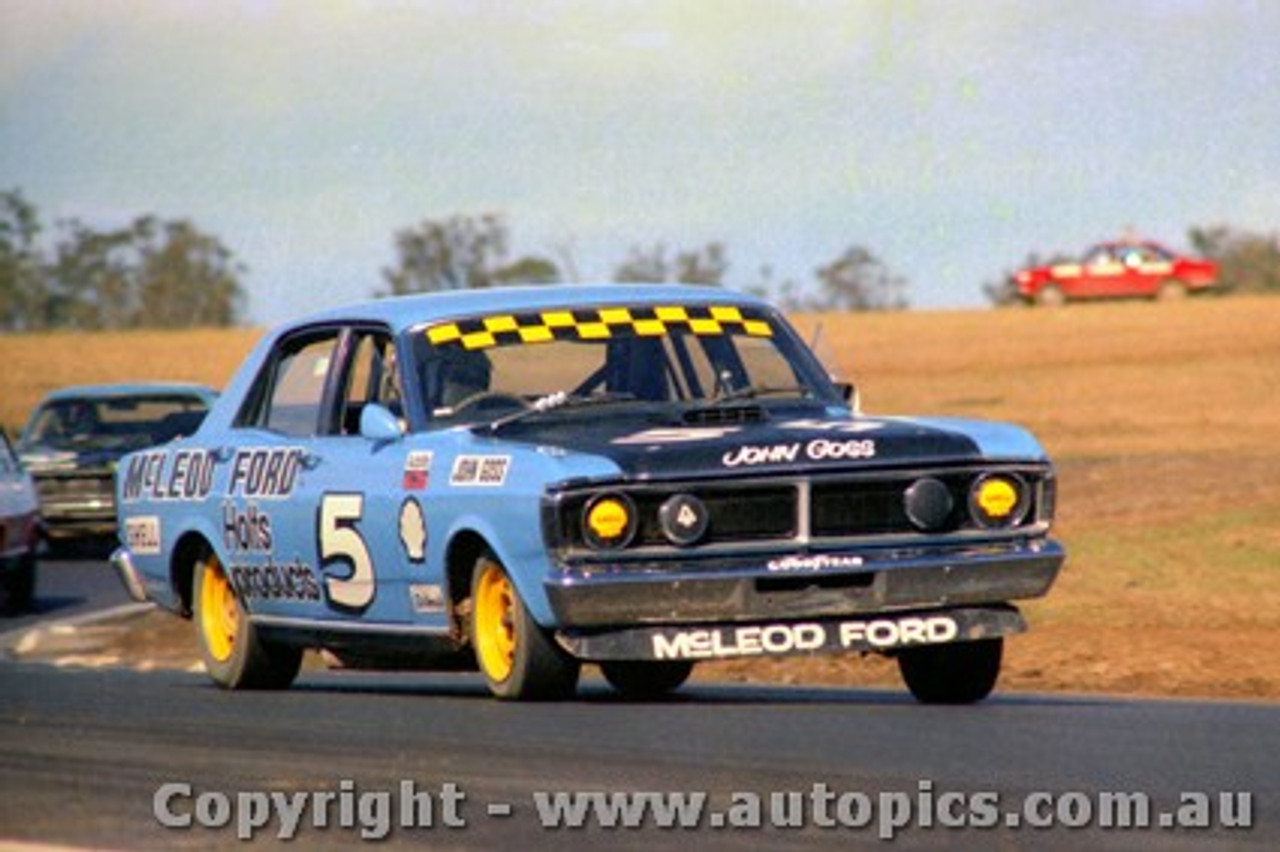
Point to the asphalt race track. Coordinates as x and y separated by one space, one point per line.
83 754
88 756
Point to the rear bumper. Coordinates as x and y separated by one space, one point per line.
755 589
128 573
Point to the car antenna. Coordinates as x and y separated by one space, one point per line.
817 336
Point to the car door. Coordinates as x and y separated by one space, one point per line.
269 507
304 497
1148 269
370 533
1102 274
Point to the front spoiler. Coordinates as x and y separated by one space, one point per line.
883 634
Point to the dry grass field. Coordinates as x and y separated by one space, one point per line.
31 365
1163 419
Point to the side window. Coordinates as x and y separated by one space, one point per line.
371 377
1099 256
289 395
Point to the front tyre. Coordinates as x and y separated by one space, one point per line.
233 653
646 679
955 673
518 658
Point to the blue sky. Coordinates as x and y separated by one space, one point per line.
950 138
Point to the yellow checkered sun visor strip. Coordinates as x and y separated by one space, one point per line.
599 324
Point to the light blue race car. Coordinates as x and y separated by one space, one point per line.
523 480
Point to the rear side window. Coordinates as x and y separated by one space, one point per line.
289 394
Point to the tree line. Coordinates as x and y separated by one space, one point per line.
169 273
148 273
473 252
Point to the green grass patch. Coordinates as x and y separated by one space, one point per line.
1220 568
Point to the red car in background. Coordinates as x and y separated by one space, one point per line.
1117 270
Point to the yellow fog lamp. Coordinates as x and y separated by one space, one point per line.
609 522
998 500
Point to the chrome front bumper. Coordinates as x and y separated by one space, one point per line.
743 590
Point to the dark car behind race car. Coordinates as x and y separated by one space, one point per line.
77 435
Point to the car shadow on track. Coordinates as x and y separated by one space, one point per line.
95 548
594 691
42 606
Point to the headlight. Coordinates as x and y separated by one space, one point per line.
928 504
609 521
684 519
998 500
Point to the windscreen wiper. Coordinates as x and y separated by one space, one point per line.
557 400
756 391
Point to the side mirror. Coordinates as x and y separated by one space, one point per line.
380 425
849 393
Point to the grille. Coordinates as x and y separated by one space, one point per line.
859 507
849 506
62 488
740 515
864 509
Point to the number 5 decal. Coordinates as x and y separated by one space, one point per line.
341 541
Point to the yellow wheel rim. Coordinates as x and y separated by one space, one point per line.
495 631
219 611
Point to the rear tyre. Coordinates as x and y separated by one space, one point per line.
518 658
235 656
18 586
955 673
645 679
1051 297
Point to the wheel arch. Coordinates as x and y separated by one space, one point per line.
473 536
190 547
460 561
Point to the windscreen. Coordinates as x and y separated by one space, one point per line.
92 423
486 367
